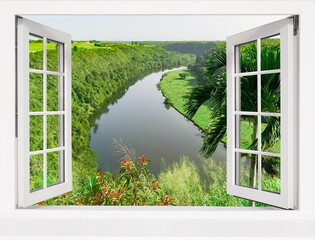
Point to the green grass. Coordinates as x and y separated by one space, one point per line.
38 46
175 89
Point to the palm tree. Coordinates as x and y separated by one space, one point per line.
213 92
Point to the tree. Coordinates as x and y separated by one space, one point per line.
183 75
214 93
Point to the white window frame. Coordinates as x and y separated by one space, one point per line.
288 68
25 28
193 223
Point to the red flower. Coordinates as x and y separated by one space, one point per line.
167 200
155 185
142 159
127 165
99 174
116 196
125 160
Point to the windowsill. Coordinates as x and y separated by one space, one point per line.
161 212
193 222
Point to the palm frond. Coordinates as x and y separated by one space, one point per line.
216 62
270 135
212 92
198 96
214 134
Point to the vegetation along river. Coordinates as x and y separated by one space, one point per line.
143 120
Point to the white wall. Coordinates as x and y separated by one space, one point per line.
145 222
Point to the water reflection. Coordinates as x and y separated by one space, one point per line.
167 104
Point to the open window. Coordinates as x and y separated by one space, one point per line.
262 122
44 108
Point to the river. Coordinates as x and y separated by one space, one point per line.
142 119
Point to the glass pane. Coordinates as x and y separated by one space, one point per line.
247 93
36 92
53 131
270 176
270 134
36 52
36 133
52 56
248 57
246 132
248 169
270 93
52 93
270 53
36 171
52 168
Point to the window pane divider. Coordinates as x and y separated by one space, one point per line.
259 109
47 151
45 116
244 74
47 113
46 72
267 114
257 152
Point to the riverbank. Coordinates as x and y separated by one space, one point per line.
175 89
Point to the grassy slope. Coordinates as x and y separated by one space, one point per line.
182 182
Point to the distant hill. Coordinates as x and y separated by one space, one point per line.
194 47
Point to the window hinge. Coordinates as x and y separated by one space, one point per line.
16 125
16 73
295 24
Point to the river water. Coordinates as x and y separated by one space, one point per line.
143 120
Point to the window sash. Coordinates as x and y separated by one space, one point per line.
25 196
287 197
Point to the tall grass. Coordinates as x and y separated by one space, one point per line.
188 186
